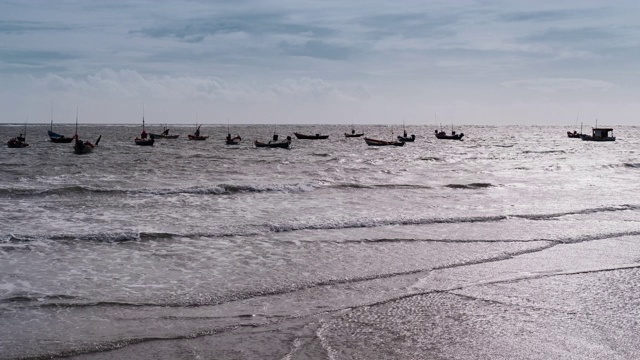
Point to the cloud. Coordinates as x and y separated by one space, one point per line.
554 85
126 84
20 27
258 24
316 49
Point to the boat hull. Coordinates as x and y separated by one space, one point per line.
283 144
353 135
411 138
160 136
144 142
197 138
591 138
16 144
233 141
81 148
58 139
310 137
375 142
443 136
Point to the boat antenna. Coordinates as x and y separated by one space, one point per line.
142 116
76 123
52 115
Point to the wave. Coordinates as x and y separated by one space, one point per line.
632 165
544 151
469 186
290 227
220 189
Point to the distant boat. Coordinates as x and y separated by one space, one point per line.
600 134
232 140
375 142
196 135
143 140
55 137
274 143
405 137
310 137
575 134
443 135
83 147
353 133
163 135
19 141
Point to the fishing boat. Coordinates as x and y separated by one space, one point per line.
55 137
274 143
143 140
404 137
375 142
83 147
310 137
232 140
196 135
163 135
353 133
19 141
600 134
575 134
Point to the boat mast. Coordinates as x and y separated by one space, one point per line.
52 116
76 124
143 117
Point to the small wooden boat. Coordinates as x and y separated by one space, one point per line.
406 138
353 135
600 134
375 142
83 147
163 135
310 137
17 142
143 140
232 140
55 137
196 135
274 143
453 136
575 134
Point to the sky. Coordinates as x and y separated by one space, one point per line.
320 62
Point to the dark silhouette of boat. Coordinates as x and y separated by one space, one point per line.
600 134
163 135
232 140
196 135
376 142
443 135
310 137
353 133
274 143
83 147
19 141
55 137
143 140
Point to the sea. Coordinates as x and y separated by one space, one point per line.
515 243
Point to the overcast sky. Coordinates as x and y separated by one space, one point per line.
338 62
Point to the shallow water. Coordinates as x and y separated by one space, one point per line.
517 242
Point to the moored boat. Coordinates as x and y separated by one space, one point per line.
143 140
83 147
196 135
55 137
376 142
163 135
353 134
274 143
453 136
310 137
17 142
600 134
232 140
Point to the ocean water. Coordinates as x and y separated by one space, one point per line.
517 242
